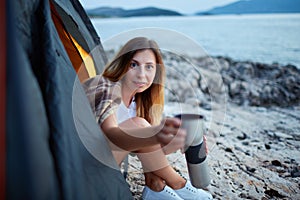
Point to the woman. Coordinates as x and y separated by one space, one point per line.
128 102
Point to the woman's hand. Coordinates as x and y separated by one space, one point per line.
171 136
205 143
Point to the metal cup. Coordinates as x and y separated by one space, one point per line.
195 150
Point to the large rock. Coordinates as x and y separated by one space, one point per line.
258 84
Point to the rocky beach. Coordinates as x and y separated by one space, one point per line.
252 119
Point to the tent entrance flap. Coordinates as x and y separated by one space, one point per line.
77 50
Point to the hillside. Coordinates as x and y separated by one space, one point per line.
120 12
256 6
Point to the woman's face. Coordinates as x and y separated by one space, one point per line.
141 72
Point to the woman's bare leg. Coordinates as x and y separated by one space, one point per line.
155 162
154 182
119 156
156 168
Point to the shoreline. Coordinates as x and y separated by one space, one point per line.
266 47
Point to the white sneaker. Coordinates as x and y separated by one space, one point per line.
166 194
189 192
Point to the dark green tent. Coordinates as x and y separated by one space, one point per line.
54 149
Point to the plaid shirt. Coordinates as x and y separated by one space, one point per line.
104 96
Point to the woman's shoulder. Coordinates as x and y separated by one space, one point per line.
97 83
100 84
103 95
98 79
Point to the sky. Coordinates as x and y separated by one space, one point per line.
182 6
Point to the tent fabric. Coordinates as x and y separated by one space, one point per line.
2 94
30 170
51 134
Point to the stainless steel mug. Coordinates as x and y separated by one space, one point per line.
195 150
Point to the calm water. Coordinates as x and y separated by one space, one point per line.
261 38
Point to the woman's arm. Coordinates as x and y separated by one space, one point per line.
133 137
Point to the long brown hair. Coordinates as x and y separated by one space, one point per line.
149 103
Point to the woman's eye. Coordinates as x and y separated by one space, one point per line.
133 65
149 67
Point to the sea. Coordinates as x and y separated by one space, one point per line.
265 38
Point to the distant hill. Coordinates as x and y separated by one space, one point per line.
256 6
120 12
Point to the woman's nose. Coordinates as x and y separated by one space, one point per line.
141 71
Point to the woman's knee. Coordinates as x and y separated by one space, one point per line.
141 122
135 122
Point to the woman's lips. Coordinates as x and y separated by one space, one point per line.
139 84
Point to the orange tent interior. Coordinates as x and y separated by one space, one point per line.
81 60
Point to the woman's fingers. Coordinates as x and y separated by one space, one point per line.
171 136
175 142
205 143
175 122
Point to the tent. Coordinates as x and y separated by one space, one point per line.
50 136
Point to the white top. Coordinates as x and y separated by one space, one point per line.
124 113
